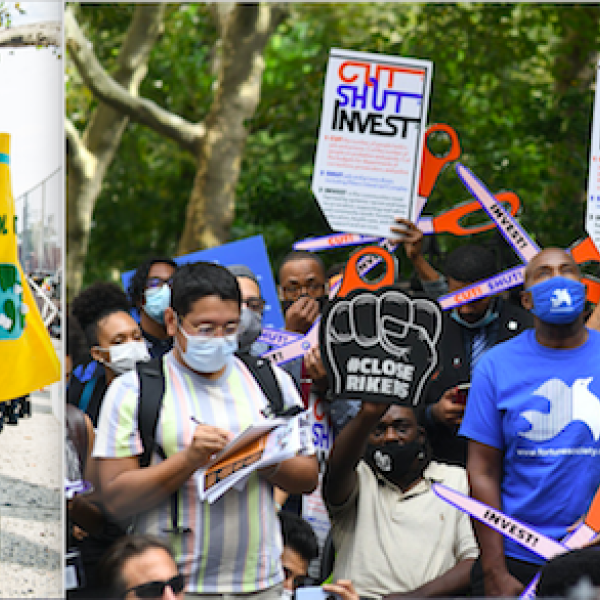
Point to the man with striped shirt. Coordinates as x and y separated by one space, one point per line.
233 546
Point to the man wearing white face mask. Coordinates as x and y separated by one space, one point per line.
233 546
533 423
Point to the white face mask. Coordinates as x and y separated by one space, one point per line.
124 356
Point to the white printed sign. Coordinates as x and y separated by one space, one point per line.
369 150
592 221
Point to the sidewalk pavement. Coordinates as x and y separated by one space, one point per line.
31 504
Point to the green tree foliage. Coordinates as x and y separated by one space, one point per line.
514 80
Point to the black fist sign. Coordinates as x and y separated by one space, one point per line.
380 346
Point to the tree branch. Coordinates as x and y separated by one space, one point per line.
108 90
33 34
79 157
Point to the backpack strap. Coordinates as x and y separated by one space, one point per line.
262 371
152 389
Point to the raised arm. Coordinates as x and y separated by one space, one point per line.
412 239
348 449
484 469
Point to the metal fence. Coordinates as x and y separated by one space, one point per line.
40 225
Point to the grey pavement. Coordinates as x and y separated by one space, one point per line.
30 504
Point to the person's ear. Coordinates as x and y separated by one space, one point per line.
526 300
96 354
170 321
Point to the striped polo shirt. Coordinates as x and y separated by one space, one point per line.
235 543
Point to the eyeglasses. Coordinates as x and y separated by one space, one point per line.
210 330
255 304
155 589
154 282
294 291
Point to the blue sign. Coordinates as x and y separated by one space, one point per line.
250 252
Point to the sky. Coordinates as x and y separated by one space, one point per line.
31 112
31 103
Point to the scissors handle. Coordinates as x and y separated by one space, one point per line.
585 251
353 280
592 289
431 165
449 222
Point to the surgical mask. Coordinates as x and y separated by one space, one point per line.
489 316
122 357
157 301
394 461
207 355
249 329
558 300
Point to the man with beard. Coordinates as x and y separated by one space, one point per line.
533 423
391 533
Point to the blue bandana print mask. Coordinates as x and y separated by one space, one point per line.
558 300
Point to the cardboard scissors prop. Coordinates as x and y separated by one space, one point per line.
524 534
448 221
583 534
521 242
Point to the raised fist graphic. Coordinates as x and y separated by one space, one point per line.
380 346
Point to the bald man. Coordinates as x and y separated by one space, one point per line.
533 423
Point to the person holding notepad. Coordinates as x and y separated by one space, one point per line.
233 546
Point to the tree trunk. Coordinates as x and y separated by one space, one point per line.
211 207
89 156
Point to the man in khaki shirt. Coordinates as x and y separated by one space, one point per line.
391 533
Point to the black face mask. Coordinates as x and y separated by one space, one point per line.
322 300
395 461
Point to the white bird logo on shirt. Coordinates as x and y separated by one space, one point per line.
566 405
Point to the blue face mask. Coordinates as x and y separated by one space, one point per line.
558 300
489 316
157 301
208 355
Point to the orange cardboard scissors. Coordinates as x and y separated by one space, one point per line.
432 165
585 251
450 220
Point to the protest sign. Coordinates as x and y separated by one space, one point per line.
377 343
28 358
368 157
251 252
592 220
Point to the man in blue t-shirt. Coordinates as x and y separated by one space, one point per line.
533 423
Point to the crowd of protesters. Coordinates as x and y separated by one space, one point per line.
153 398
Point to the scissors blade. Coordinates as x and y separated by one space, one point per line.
336 240
512 231
511 528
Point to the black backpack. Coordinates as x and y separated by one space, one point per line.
152 389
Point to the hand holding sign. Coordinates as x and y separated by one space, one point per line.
379 344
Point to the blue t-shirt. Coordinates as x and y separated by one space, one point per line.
541 407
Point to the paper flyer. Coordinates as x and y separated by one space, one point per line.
369 150
278 440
